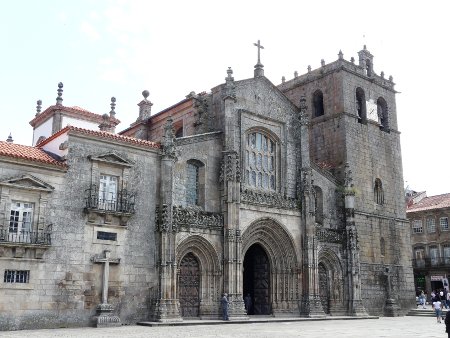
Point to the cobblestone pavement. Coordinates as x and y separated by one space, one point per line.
383 327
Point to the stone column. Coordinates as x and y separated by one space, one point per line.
355 307
104 317
391 307
231 185
167 307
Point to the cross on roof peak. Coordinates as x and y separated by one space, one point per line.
259 46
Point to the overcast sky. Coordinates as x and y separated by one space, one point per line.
101 48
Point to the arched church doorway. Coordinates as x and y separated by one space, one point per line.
324 288
257 280
189 286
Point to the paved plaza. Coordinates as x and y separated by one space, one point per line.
382 327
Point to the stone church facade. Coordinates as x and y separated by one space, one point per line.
292 194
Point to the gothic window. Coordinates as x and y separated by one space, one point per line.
195 183
361 105
382 246
318 199
382 111
20 221
318 103
260 158
431 225
378 192
107 192
417 226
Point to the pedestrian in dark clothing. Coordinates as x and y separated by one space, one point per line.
224 303
447 323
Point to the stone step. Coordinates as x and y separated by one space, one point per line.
428 312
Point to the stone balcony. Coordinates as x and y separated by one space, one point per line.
24 244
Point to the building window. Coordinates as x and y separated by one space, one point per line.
419 256
378 192
260 161
16 276
417 227
382 111
195 183
192 184
361 105
20 221
107 236
318 199
382 246
318 103
446 253
107 192
444 223
179 132
434 255
431 225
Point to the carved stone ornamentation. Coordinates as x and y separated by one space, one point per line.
329 235
230 168
192 218
162 217
273 200
169 149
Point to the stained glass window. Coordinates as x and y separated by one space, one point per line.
260 161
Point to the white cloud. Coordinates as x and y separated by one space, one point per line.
90 31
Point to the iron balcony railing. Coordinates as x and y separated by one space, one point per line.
25 237
123 202
431 262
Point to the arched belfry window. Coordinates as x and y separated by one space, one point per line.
195 183
368 67
260 161
318 103
382 111
361 105
378 193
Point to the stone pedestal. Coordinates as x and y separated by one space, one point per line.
105 318
311 306
236 308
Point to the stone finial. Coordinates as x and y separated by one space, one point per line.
309 68
352 59
9 139
145 107
283 79
382 74
38 107
190 95
340 55
105 125
391 78
365 47
112 113
59 99
229 74
295 74
322 63
230 88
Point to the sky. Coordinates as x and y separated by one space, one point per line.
105 48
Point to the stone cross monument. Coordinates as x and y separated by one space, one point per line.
104 317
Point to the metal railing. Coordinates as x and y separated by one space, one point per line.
123 203
431 262
25 237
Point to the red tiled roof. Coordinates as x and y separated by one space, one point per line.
103 135
74 111
34 154
431 202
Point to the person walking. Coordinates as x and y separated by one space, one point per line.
422 299
437 306
224 302
447 323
